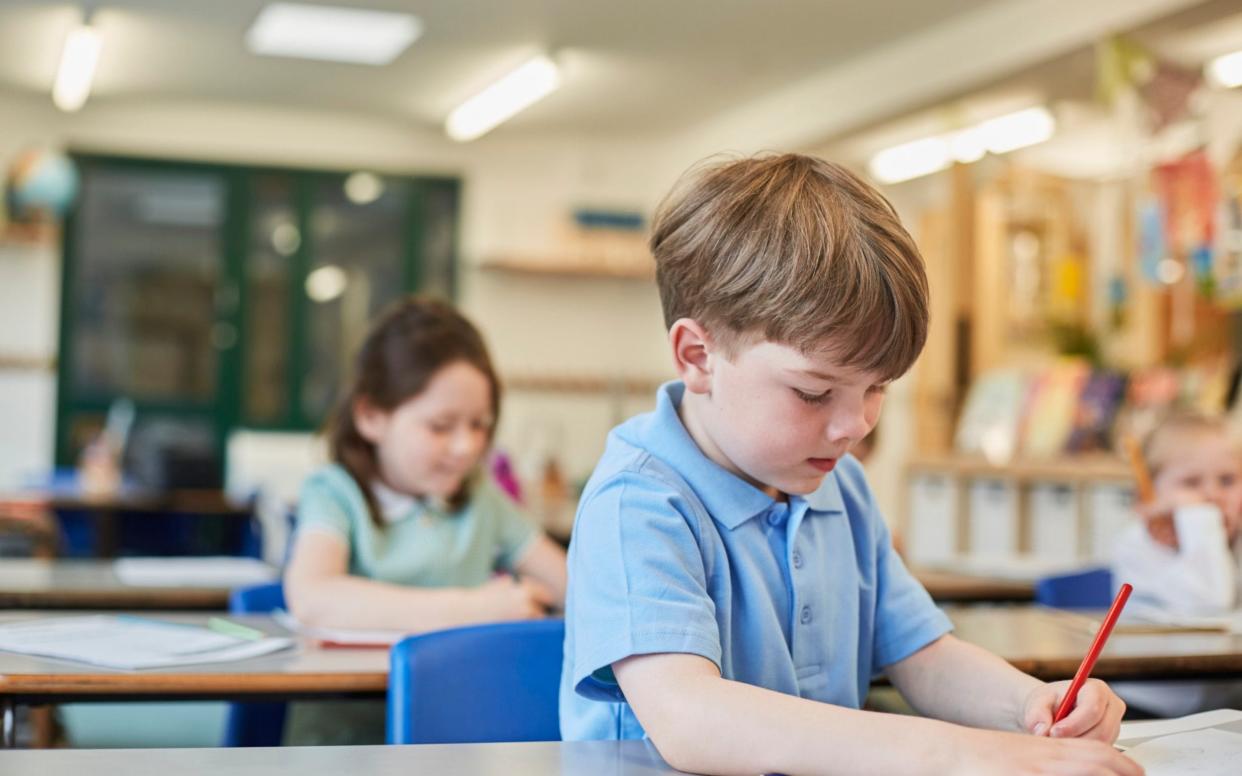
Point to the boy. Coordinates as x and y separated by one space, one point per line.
732 585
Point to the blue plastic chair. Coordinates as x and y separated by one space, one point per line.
1091 589
478 684
255 724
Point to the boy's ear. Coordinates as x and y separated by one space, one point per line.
371 421
692 354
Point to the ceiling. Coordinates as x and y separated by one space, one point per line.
636 66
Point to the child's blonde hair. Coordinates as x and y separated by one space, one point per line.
795 250
1164 441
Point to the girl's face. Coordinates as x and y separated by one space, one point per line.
1206 470
429 444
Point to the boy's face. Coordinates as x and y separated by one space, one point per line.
781 419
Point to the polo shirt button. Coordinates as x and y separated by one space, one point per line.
806 615
774 518
797 560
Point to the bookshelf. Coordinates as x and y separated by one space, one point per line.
1069 508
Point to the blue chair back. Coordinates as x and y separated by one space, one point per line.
478 684
1091 589
256 724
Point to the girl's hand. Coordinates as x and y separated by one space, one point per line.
1158 515
510 598
1096 713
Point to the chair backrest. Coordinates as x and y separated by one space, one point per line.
1090 589
257 599
255 723
478 684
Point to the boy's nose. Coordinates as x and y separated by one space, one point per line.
847 428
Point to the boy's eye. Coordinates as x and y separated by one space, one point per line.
440 428
813 398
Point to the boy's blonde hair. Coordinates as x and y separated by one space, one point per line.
1165 441
797 251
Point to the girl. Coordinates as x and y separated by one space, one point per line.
402 531
1183 556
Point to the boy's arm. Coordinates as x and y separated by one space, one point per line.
703 723
953 680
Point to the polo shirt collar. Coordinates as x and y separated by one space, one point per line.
730 500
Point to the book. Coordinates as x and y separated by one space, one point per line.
339 637
990 419
128 642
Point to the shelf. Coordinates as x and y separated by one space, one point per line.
1082 468
562 269
13 362
584 384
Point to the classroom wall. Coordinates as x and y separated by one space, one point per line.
517 195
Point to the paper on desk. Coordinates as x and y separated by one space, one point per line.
1135 733
120 642
210 572
345 637
1197 753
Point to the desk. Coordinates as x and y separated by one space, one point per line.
577 758
105 510
306 671
1050 644
90 584
952 587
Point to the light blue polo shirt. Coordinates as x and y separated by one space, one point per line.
671 553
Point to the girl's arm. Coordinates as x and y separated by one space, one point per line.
321 592
544 562
1198 576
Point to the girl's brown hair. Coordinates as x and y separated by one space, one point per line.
408 344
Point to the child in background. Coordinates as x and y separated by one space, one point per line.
733 590
1183 556
404 531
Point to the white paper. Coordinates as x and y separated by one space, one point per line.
342 636
210 572
1197 753
1137 731
122 642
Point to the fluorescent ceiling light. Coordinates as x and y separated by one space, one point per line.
328 32
1017 130
932 154
911 160
503 99
1226 70
77 68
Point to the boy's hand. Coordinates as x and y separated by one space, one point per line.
989 753
1096 715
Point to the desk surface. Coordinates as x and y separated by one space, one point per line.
952 587
1050 644
92 584
1043 642
588 758
307 670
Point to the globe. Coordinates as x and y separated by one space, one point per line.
41 184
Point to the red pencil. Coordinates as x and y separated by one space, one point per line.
1093 654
